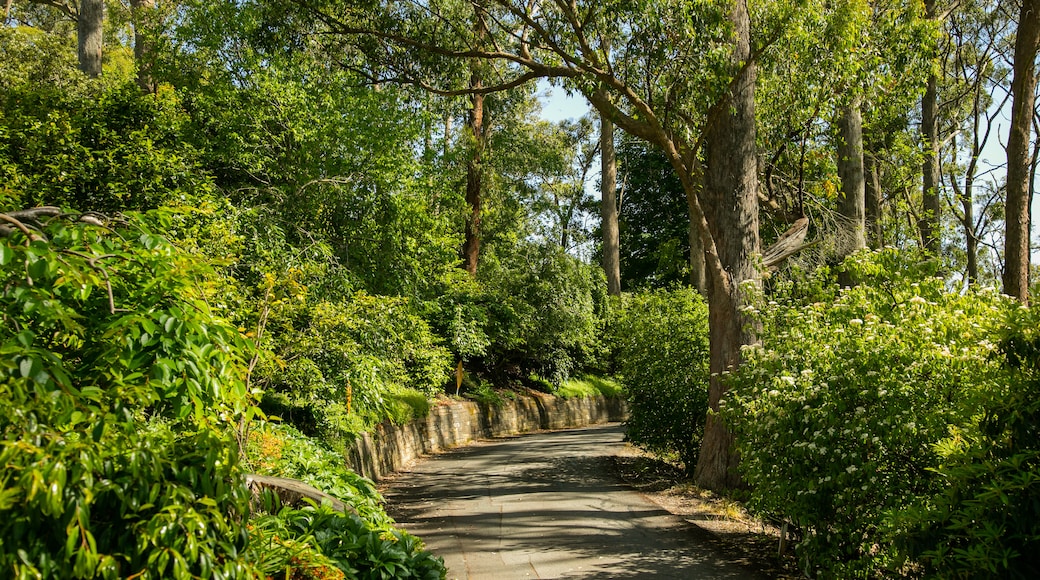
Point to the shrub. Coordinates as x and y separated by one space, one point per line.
342 367
544 312
345 541
837 413
985 523
122 387
661 342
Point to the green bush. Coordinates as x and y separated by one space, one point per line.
344 540
98 148
123 388
661 351
342 367
837 413
985 523
544 312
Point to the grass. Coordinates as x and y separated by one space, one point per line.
588 386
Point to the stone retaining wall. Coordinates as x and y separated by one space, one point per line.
390 447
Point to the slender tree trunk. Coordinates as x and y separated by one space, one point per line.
89 27
971 240
872 200
852 204
142 16
731 210
1023 89
698 273
608 207
475 166
930 220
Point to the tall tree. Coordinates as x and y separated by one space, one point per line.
90 35
930 222
475 163
609 206
731 196
1023 91
142 15
852 204
667 82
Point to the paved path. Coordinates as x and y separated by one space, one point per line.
547 506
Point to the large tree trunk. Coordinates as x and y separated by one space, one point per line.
475 166
609 208
1023 88
142 16
89 27
731 210
852 205
930 223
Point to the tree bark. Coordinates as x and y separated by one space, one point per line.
608 207
1023 89
731 210
89 27
142 16
930 220
852 204
475 165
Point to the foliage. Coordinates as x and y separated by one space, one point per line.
837 412
123 387
654 222
544 312
986 520
94 146
589 386
283 451
344 540
344 366
661 341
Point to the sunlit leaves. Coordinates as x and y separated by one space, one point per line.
117 458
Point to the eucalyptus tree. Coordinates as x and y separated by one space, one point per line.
677 74
976 80
1023 94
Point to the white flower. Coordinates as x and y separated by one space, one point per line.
856 322
851 469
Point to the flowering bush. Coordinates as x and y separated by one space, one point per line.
838 412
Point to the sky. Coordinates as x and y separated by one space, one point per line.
557 105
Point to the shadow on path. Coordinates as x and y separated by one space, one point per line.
548 506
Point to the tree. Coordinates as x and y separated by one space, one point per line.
142 15
851 172
609 207
474 165
1023 91
653 223
681 77
90 35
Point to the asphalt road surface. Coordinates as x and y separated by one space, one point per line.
547 506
